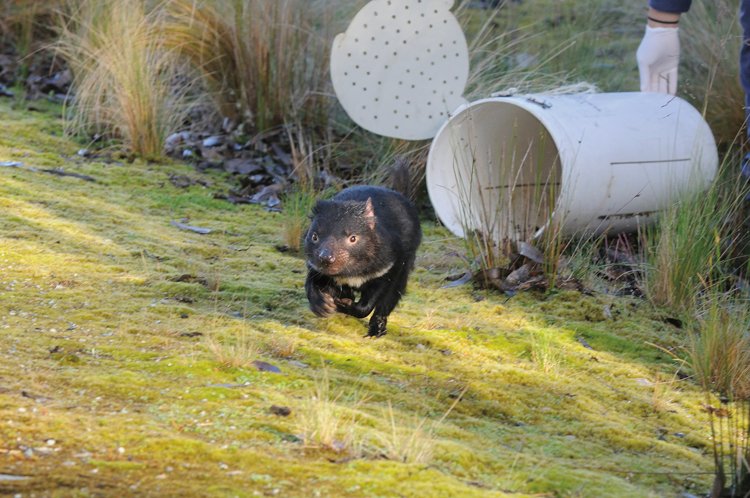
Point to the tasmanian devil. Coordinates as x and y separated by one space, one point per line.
364 241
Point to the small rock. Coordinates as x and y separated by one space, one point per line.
84 152
213 141
281 411
175 139
243 166
266 367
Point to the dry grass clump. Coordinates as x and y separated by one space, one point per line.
709 77
237 351
129 86
323 422
545 352
692 243
414 443
280 346
27 23
720 349
265 62
297 207
719 354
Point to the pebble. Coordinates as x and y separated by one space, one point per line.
212 141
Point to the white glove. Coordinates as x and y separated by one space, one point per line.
658 58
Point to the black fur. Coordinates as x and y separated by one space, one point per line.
375 263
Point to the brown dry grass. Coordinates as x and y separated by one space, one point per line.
126 91
264 61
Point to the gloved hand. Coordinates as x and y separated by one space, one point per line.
658 58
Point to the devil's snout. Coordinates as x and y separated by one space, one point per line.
326 256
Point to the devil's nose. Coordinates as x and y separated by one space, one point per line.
326 257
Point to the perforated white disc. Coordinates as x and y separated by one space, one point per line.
401 67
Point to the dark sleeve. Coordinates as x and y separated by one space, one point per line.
672 6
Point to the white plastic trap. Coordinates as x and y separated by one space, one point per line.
401 67
512 166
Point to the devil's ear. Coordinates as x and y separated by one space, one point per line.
368 213
319 207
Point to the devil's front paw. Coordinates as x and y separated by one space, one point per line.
322 301
343 304
377 327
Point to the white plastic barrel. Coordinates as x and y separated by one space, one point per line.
512 166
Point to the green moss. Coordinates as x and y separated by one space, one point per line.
181 290
112 352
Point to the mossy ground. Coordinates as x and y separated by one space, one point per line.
107 386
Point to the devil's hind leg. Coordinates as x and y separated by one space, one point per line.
388 301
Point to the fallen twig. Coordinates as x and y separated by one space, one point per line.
51 171
189 228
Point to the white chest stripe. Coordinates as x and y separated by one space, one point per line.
360 280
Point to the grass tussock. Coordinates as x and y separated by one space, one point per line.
265 62
719 354
709 76
297 207
545 352
407 443
238 350
719 348
28 24
135 91
324 422
690 247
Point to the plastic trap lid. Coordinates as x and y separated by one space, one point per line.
401 67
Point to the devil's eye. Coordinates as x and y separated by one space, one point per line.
352 239
314 237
